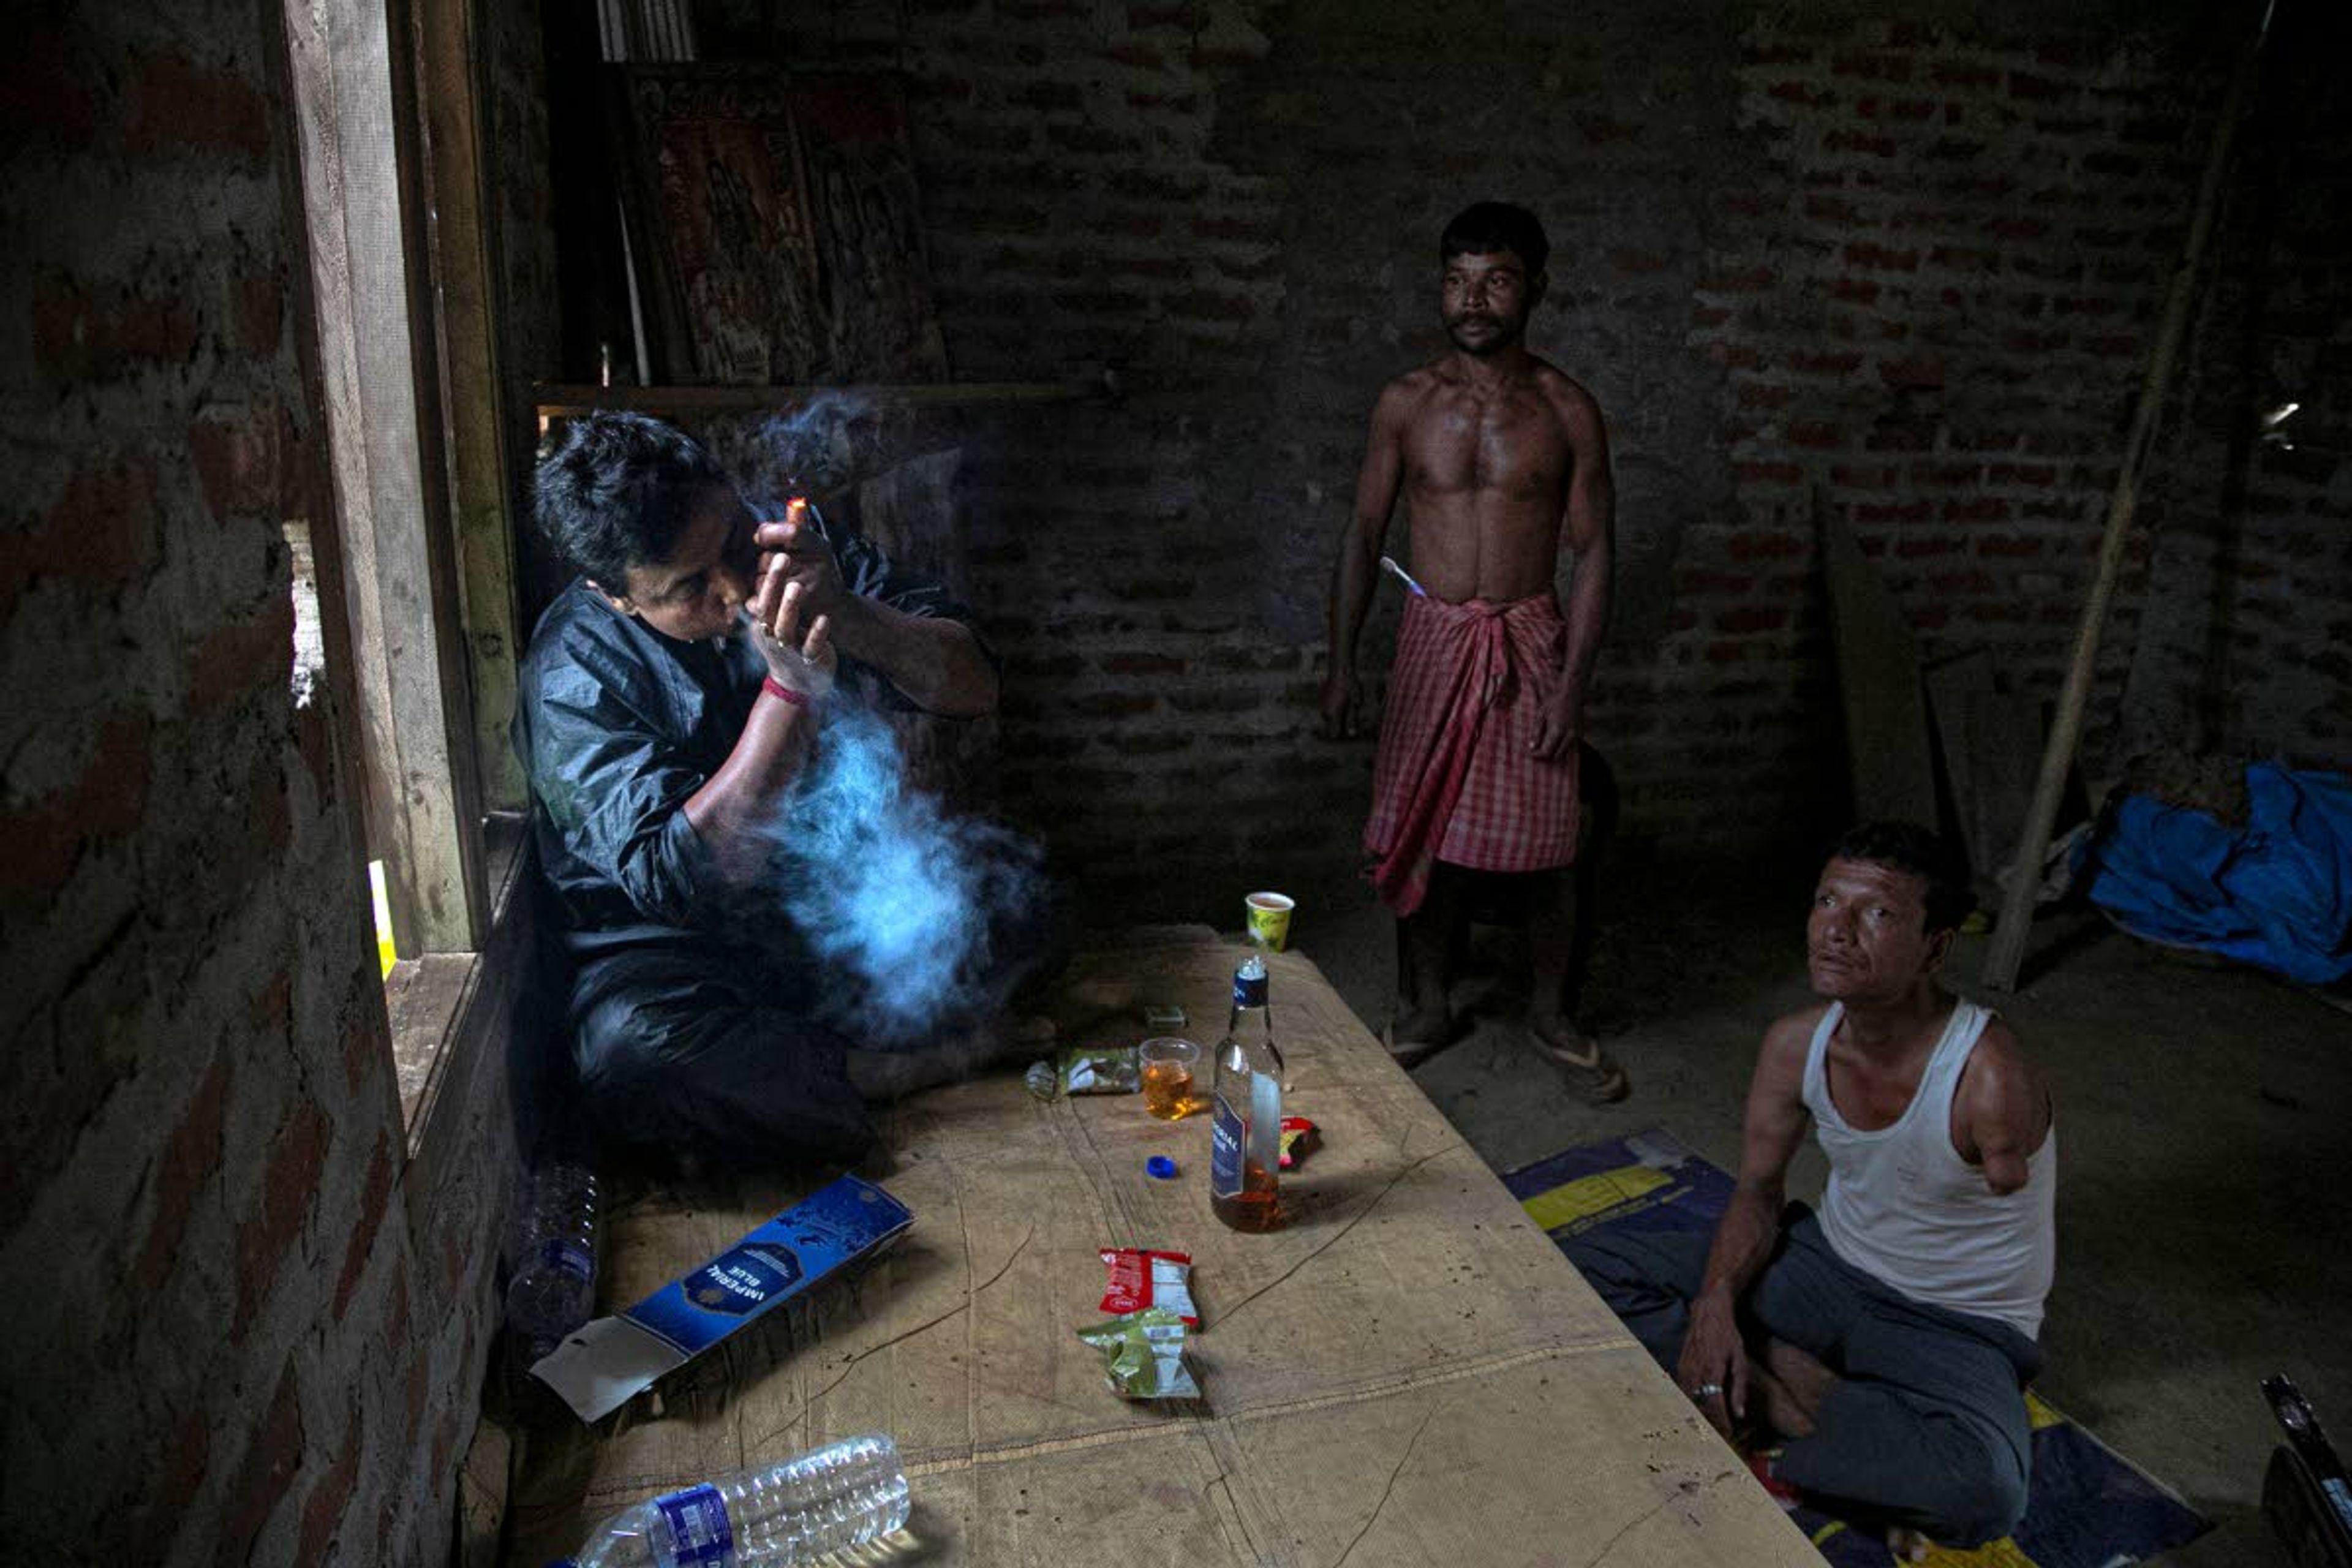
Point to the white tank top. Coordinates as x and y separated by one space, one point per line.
1903 1205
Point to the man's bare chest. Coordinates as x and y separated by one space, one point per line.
1513 450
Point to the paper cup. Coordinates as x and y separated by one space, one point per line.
1269 919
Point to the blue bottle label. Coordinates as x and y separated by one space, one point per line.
700 1534
1228 1133
1249 991
567 1257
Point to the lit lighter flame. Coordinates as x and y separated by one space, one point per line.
2274 425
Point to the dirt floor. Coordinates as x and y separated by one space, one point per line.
2205 1186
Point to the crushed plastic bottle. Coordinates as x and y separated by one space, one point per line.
841 1496
553 1289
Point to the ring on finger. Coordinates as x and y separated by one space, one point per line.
1707 1391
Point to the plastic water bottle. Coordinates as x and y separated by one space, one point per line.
841 1496
553 1289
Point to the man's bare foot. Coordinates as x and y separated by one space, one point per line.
1772 1405
1586 1065
1794 1386
1415 1035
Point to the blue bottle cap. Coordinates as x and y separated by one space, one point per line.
1161 1166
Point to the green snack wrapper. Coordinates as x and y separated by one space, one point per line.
1143 1355
1107 1070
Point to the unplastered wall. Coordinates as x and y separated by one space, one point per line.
237 1332
2249 617
1907 259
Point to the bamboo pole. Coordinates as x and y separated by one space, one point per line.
2008 950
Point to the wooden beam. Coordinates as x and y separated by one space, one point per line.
561 400
2008 950
374 316
463 263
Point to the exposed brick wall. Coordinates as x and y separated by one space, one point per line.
1930 296
1079 218
2249 605
226 1344
1913 263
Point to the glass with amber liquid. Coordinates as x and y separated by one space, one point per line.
1246 1136
1168 1066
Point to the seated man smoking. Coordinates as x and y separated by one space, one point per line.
670 698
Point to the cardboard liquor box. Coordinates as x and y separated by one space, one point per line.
610 1360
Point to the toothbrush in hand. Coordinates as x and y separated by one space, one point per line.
1387 564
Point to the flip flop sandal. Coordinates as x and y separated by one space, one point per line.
1595 1077
1411 1053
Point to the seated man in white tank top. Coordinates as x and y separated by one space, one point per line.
1887 1339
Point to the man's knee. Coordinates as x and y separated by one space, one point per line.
633 1063
1605 1265
1631 1270
628 1043
731 1082
1977 1495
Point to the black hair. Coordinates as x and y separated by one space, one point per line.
614 490
1485 227
1907 847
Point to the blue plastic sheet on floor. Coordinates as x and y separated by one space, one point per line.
2089 1507
2275 893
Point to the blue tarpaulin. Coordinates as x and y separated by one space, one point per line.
2275 893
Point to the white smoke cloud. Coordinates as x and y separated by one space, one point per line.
897 893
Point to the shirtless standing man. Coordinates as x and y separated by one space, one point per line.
1503 462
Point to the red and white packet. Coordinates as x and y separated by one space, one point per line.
1142 1278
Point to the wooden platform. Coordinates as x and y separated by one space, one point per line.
1408 1374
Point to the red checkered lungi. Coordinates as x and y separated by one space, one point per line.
1454 780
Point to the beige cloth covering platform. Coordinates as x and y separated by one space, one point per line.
1409 1373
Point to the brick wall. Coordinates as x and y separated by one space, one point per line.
2250 571
237 1333
1933 301
1913 263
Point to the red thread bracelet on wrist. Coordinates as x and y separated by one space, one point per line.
775 687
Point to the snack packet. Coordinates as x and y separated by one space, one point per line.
1081 1069
1141 1278
1299 1139
1143 1356
1108 1069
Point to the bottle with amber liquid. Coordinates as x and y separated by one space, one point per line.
1246 1135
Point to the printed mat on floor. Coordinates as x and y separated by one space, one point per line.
2089 1507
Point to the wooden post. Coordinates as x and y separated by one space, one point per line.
464 274
353 70
2007 951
